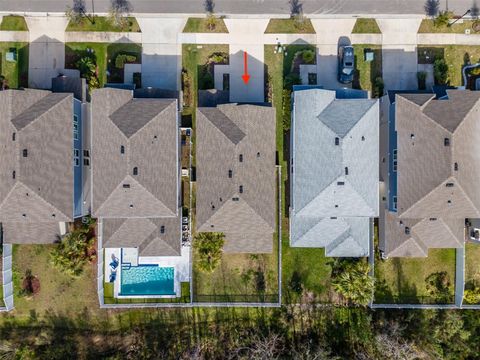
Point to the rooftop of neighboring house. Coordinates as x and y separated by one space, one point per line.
334 157
135 166
438 145
236 182
36 138
152 236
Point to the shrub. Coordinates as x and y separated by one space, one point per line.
291 80
422 77
475 71
211 22
442 19
88 70
30 284
472 296
123 59
308 56
74 251
440 72
218 58
378 87
286 109
438 286
209 247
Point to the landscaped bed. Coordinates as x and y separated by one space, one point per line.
403 280
105 57
366 26
205 25
13 23
15 73
290 26
368 74
455 56
104 24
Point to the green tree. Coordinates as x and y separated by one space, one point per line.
209 247
88 70
354 283
438 286
73 252
440 71
442 19
308 56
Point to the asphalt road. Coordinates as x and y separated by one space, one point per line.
246 6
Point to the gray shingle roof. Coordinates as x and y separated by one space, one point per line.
335 146
38 187
31 232
147 132
145 234
241 206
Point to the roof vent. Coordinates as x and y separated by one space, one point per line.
412 136
126 186
25 152
230 173
135 171
240 189
131 206
240 158
449 202
446 142
24 215
455 166
13 174
13 136
363 138
336 205
433 219
162 229
333 217
258 154
337 141
53 215
346 170
407 230
449 184
339 183
235 199
122 149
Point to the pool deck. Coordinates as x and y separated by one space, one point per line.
181 264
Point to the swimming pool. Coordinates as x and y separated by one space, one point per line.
147 280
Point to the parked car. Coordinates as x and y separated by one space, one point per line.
346 60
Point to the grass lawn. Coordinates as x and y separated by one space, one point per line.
200 25
456 57
103 23
366 26
402 280
289 26
104 54
367 71
14 23
237 277
58 291
16 73
458 28
472 263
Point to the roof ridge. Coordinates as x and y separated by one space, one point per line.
450 231
148 122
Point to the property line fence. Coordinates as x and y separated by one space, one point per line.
7 277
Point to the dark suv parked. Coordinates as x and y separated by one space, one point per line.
346 61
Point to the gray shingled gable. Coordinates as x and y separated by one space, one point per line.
136 113
38 109
418 98
342 115
224 124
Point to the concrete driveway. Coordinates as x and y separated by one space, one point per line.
162 52
46 50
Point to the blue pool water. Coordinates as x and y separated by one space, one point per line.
147 280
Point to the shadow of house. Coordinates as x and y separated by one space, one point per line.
46 61
122 52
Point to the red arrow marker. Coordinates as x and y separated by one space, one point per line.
245 75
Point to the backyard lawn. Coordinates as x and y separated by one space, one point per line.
366 26
472 266
456 56
104 24
427 26
104 55
13 23
58 291
239 278
402 280
16 72
201 25
289 26
367 71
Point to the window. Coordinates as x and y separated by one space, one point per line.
162 229
337 141
76 157
395 202
86 162
25 152
75 119
240 189
13 174
122 149
86 153
76 161
75 127
346 170
395 166
135 170
13 136
76 152
394 154
240 157
446 142
75 135
235 199
230 173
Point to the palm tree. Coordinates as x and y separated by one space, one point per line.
355 283
209 247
